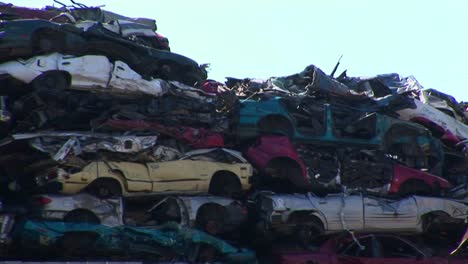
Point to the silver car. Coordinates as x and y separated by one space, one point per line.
311 215
81 207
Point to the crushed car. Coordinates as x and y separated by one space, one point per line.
195 172
365 248
332 126
88 73
31 37
309 216
168 243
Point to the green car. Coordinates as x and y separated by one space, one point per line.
92 241
338 126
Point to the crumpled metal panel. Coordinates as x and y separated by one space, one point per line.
60 144
356 212
89 73
161 242
108 211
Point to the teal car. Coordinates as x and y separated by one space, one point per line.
171 242
339 126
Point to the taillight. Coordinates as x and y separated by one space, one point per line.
43 200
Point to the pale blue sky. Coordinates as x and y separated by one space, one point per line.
263 38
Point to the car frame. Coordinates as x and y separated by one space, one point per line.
78 208
108 178
24 38
373 130
286 214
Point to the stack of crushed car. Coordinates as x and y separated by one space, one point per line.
113 147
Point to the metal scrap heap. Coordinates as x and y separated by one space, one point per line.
113 147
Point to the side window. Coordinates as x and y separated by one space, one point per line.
393 247
354 250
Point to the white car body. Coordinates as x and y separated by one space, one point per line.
439 118
108 211
90 72
339 212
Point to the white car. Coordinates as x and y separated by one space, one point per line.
88 73
78 208
334 213
426 113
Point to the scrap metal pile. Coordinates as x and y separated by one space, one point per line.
112 147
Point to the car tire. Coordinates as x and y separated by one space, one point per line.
114 52
81 216
225 184
308 234
55 80
105 188
211 219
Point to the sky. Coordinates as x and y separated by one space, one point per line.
264 38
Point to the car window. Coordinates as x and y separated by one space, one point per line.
354 250
393 247
215 156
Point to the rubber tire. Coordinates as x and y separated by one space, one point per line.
51 80
225 184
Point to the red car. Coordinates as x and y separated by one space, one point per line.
276 156
371 249
197 138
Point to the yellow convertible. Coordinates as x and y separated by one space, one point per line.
216 171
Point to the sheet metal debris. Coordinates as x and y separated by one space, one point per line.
107 138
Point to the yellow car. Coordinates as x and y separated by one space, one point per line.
216 171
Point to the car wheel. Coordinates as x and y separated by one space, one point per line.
105 188
225 184
81 216
211 219
50 80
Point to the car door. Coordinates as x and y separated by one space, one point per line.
178 175
342 211
397 251
388 215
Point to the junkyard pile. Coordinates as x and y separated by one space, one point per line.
112 147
